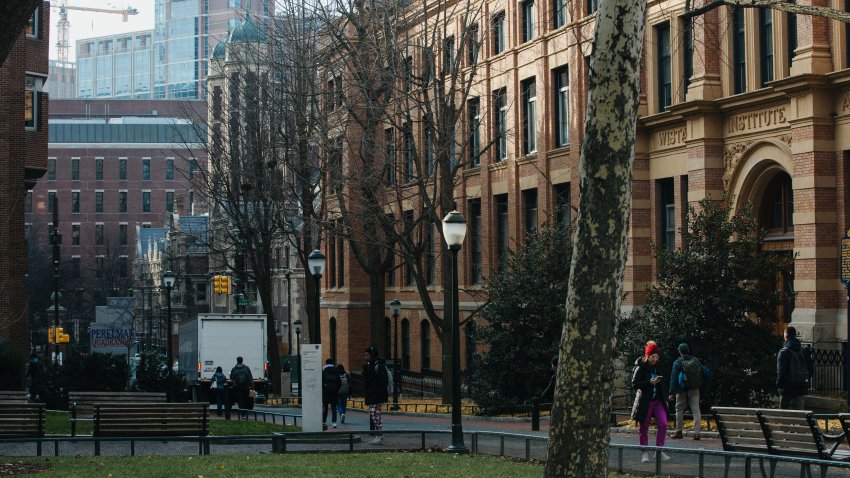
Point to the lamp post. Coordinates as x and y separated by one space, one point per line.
288 311
316 263
454 230
168 280
395 308
298 344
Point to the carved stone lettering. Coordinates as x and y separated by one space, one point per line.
756 120
671 137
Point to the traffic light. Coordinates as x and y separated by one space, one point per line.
217 285
61 336
51 335
225 284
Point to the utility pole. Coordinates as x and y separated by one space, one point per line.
56 240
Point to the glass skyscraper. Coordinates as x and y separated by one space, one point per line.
115 66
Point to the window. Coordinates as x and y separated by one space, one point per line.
75 267
529 202
340 270
449 55
563 213
668 213
98 201
739 51
388 337
32 27
408 74
28 202
51 169
391 270
475 249
75 201
791 20
75 234
425 345
122 234
146 201
408 227
562 106
498 33
501 208
500 123
429 151
201 292
75 169
688 47
389 151
216 103
665 78
146 169
592 6
32 85
122 201
431 255
98 234
122 168
474 112
169 201
100 264
333 339
529 130
472 47
559 13
169 169
51 201
405 344
98 169
122 266
528 20
777 211
409 156
766 44
330 103
193 165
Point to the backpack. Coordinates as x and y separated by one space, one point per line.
242 379
330 382
707 378
389 377
798 369
691 375
344 387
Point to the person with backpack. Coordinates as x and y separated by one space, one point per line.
649 398
243 382
330 391
685 381
376 378
794 370
344 390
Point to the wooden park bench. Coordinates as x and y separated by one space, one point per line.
22 420
81 404
740 430
147 419
13 396
797 433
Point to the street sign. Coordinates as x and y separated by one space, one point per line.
243 302
845 259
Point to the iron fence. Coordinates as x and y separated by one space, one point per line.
829 377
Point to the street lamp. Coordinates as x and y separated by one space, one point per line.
289 311
454 229
395 308
168 280
316 264
298 344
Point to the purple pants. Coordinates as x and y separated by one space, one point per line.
656 409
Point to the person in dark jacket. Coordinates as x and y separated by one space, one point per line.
244 383
791 396
330 391
375 376
685 398
649 398
344 391
548 395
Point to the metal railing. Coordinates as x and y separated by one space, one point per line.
829 372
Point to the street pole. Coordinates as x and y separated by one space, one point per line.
316 263
168 280
847 352
395 308
454 230
56 239
288 311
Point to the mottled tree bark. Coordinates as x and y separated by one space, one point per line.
578 438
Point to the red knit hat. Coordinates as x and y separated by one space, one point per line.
651 348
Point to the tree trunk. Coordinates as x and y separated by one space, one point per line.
377 312
579 435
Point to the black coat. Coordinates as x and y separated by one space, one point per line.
641 375
783 367
375 377
330 385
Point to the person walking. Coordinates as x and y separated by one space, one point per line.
330 392
685 381
344 390
548 395
217 383
649 398
794 370
244 383
376 377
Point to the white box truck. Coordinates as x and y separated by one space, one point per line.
215 340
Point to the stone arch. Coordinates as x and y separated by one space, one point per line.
756 164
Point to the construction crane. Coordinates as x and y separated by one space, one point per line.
64 25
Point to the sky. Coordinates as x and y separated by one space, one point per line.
93 24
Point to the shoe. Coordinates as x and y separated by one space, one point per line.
342 418
665 457
645 457
676 435
333 425
377 441
696 437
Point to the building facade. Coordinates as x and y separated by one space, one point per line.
23 153
754 103
62 80
115 66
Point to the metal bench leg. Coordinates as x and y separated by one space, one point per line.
38 447
97 448
772 468
726 462
823 470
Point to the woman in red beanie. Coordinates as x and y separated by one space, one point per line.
649 399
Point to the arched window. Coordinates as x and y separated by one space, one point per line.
425 344
405 344
388 338
776 213
470 342
333 338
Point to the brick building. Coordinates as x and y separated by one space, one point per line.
23 153
754 102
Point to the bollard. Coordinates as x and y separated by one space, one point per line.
535 414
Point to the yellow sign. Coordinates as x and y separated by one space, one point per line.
845 260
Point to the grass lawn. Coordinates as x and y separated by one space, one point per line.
375 465
59 423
